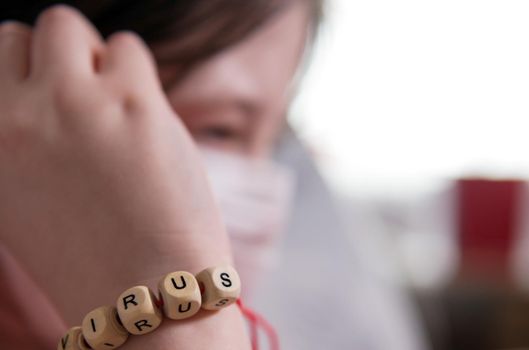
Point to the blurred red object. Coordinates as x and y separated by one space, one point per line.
488 216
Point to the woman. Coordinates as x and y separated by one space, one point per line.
105 187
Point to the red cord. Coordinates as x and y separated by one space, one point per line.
255 321
254 332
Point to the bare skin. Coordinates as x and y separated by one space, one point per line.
109 153
104 188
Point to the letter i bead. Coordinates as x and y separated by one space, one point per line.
70 340
102 329
180 294
220 287
138 311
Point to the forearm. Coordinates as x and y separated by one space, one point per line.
81 276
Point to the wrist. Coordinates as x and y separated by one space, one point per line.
225 328
141 259
138 313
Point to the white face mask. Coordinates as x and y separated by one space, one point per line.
254 199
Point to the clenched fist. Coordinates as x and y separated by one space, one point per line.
101 187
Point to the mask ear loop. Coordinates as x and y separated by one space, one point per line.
255 321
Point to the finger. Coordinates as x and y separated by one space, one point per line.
129 58
64 43
15 38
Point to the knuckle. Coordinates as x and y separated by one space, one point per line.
128 40
75 100
67 96
57 15
129 47
18 130
13 27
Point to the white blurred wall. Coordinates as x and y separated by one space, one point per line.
403 94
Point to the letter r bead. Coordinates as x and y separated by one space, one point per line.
220 287
138 311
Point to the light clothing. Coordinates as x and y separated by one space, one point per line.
320 296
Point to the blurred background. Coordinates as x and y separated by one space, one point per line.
418 113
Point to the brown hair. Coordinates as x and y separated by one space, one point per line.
202 27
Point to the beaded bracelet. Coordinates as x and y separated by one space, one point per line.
138 311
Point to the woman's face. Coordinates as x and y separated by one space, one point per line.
237 99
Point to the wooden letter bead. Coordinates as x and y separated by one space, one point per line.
181 295
220 287
82 344
70 341
138 311
102 329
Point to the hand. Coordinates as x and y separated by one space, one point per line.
101 187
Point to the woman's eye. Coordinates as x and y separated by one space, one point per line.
220 133
224 135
